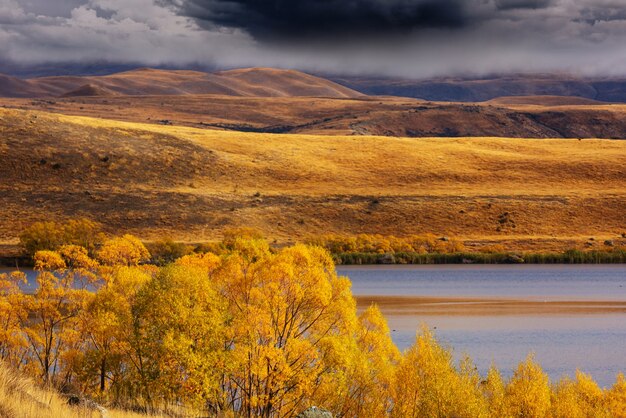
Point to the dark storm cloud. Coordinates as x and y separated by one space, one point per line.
522 4
593 15
408 38
285 19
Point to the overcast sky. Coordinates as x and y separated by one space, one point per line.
411 38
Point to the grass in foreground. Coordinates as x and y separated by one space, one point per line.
20 397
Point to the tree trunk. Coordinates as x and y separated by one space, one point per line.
102 374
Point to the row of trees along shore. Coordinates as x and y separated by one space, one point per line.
431 249
249 332
345 249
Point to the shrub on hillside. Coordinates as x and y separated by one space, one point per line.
52 235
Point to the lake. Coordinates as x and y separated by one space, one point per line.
570 316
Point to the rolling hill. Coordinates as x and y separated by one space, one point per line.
544 101
89 90
516 117
262 82
191 184
270 100
16 87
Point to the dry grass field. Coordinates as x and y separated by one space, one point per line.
519 117
20 397
190 184
269 100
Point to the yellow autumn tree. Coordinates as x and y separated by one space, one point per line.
590 396
579 398
53 309
12 314
42 236
616 397
178 338
528 391
208 262
287 309
81 270
106 327
123 251
361 383
428 385
50 236
83 232
494 392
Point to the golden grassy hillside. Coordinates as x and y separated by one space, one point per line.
520 117
544 101
191 184
21 398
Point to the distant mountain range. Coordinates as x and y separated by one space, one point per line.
249 82
270 82
483 89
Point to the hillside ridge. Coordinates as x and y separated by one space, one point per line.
513 117
259 82
192 184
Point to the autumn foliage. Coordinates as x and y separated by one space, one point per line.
52 235
387 244
251 332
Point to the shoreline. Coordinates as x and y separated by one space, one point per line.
13 255
483 306
12 260
618 256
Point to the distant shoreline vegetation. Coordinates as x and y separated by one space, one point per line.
617 256
428 249
361 249
566 257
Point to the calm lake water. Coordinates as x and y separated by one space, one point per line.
570 316
31 275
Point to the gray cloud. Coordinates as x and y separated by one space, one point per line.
410 38
607 13
288 19
55 8
522 4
